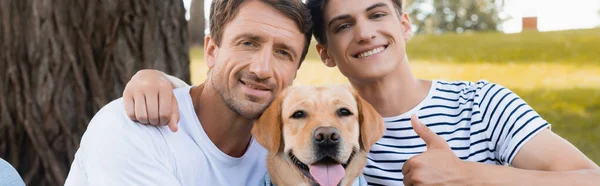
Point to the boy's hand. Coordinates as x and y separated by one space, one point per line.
149 99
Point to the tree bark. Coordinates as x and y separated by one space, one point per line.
62 60
197 23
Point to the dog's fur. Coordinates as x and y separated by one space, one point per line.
283 135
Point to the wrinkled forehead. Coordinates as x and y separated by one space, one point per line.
320 96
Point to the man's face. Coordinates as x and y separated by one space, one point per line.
257 57
365 38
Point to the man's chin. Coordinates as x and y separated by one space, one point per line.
252 110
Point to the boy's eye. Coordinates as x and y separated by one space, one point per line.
378 15
342 27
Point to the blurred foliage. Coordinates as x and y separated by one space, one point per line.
442 16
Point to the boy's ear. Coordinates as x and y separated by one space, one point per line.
324 54
407 27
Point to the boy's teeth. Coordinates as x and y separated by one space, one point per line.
370 53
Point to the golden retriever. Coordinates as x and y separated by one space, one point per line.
317 135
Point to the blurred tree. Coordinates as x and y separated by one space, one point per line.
196 23
62 60
440 16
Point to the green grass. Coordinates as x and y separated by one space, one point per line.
557 73
575 46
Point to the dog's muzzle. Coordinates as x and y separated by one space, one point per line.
326 141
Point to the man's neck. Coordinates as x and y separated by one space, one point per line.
229 131
395 93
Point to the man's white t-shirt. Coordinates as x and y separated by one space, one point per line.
115 150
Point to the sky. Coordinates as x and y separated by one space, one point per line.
552 14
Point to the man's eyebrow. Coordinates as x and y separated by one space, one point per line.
346 16
249 36
288 48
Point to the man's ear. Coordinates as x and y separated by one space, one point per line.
370 122
324 54
267 129
210 51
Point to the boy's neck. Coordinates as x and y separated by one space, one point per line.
395 93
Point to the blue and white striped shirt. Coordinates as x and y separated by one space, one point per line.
481 121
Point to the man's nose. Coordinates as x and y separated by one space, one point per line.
262 65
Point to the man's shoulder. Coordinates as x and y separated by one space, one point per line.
182 94
111 128
112 116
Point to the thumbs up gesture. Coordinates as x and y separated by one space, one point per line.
436 166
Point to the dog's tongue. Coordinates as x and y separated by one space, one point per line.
327 175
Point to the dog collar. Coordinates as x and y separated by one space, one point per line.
359 181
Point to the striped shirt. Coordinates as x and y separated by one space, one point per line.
481 121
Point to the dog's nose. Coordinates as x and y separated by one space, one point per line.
326 136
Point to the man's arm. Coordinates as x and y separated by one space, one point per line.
116 151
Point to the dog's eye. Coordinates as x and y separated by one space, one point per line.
343 112
299 114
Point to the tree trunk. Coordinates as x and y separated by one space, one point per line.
62 60
197 23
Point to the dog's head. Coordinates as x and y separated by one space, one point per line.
319 129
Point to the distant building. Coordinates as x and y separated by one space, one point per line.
530 23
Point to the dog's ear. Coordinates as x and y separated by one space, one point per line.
267 129
370 122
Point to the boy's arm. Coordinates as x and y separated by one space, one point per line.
546 159
517 135
148 98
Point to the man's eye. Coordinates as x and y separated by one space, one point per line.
283 52
248 44
299 114
343 112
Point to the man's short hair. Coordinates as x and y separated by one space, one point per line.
317 11
223 11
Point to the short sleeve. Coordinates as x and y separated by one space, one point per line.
511 122
117 151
